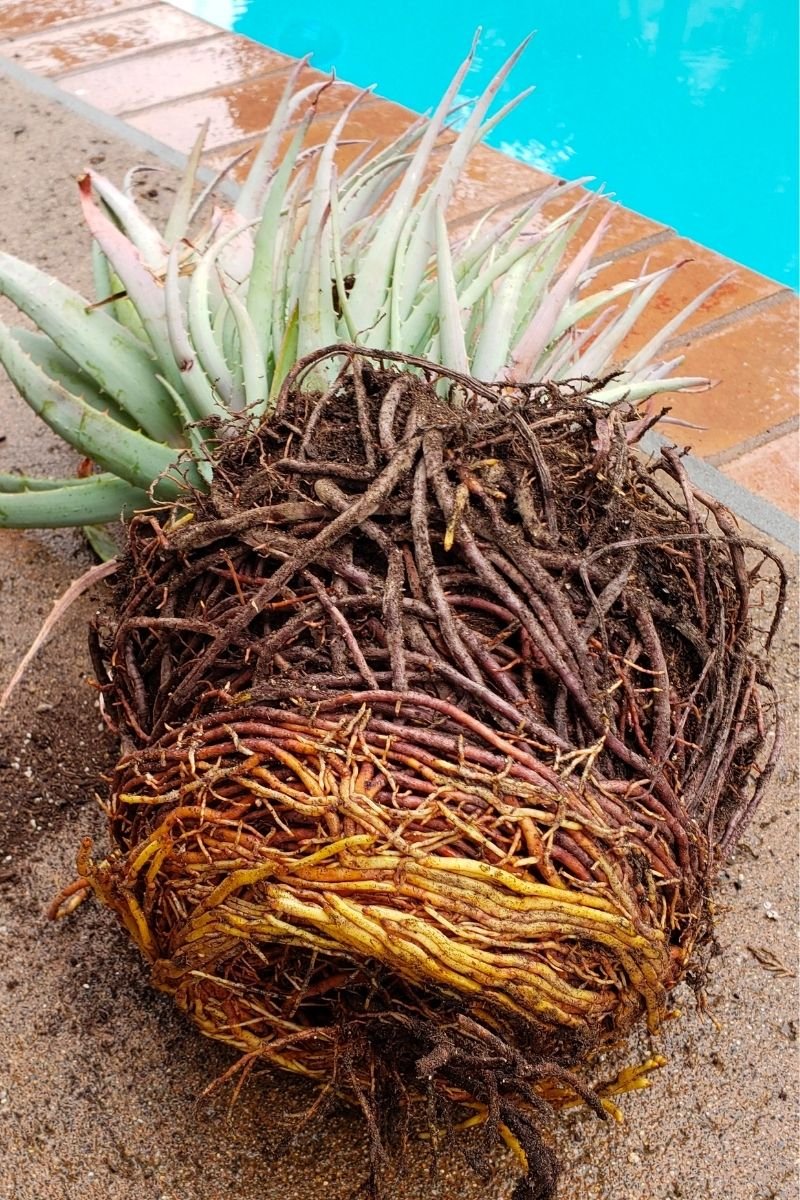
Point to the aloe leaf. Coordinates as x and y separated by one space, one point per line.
494 341
286 355
317 318
132 221
118 362
283 302
432 349
262 280
106 286
201 329
125 452
451 333
368 297
10 482
634 391
501 114
254 367
196 438
125 312
499 236
61 368
399 146
103 543
493 270
491 230
354 176
492 235
474 323
361 194
338 270
130 177
91 501
397 336
358 164
479 265
213 184
659 370
600 355
177 225
252 193
363 209
412 334
539 333
440 191
559 362
654 346
197 387
231 348
319 199
579 310
101 275
234 259
139 282
553 247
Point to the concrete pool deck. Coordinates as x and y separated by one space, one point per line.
101 1079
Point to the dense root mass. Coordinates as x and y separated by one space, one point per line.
437 718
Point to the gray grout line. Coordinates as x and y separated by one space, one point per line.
76 23
252 140
723 457
514 201
745 504
244 142
720 324
147 52
207 92
630 248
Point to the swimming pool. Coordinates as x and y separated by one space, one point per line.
685 109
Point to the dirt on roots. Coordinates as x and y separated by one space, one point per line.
438 720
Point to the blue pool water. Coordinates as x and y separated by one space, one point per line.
685 109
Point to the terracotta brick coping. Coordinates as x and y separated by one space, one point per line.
157 73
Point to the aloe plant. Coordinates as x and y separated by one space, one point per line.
197 325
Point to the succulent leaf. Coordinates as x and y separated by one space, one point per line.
139 281
261 285
201 400
180 216
104 544
451 331
62 369
539 333
116 361
124 452
193 326
138 228
89 501
11 482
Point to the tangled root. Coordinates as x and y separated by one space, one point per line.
436 721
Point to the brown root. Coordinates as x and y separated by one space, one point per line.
437 719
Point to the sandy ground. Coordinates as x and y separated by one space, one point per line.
101 1081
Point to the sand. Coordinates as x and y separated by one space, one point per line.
101 1081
